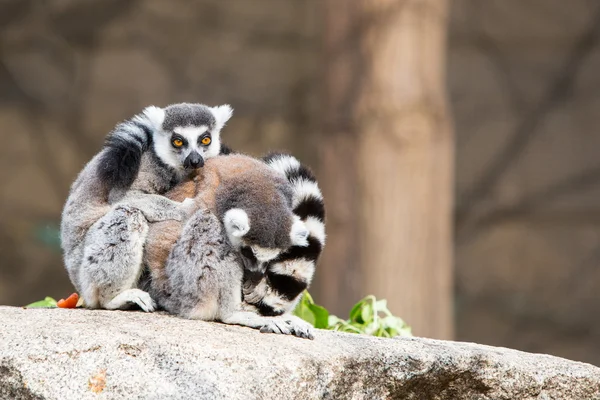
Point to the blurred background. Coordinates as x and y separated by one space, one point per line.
456 142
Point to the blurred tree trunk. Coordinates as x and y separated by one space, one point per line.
386 159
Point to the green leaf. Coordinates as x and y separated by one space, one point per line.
367 313
332 320
321 316
369 316
306 297
355 313
47 302
304 311
380 306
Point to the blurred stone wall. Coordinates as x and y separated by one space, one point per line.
525 91
523 87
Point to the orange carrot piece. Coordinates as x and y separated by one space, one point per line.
70 302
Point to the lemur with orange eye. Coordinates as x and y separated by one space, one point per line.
106 220
120 190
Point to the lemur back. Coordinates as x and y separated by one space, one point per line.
228 183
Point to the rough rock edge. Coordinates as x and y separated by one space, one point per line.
56 353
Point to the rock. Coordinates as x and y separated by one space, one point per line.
82 354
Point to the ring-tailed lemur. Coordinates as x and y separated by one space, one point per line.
287 276
274 285
246 220
142 159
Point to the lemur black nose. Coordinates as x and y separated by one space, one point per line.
193 160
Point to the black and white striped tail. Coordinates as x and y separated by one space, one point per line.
287 276
121 157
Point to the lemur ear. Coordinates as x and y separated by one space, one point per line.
299 233
155 115
222 115
236 222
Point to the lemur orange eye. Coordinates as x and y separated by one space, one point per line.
206 141
177 142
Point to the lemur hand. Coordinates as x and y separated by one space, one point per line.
188 207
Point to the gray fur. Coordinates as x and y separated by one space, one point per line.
204 281
187 114
93 225
104 225
269 226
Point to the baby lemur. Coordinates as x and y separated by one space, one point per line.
245 221
113 198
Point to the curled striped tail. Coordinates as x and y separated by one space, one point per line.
291 273
121 157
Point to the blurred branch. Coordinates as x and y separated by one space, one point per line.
583 272
24 212
528 205
13 11
552 218
522 318
43 156
556 92
176 69
488 47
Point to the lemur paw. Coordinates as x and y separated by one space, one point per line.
301 328
289 325
277 326
132 296
188 206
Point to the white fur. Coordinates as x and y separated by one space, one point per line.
236 224
155 115
264 254
163 149
304 189
299 233
222 115
316 228
129 129
137 296
274 300
214 148
284 164
299 268
191 132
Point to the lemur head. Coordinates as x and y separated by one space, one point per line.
258 218
252 249
186 134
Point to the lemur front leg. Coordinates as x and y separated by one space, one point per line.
285 324
158 208
112 261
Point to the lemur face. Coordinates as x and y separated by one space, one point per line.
187 134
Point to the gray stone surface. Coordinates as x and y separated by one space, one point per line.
81 354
